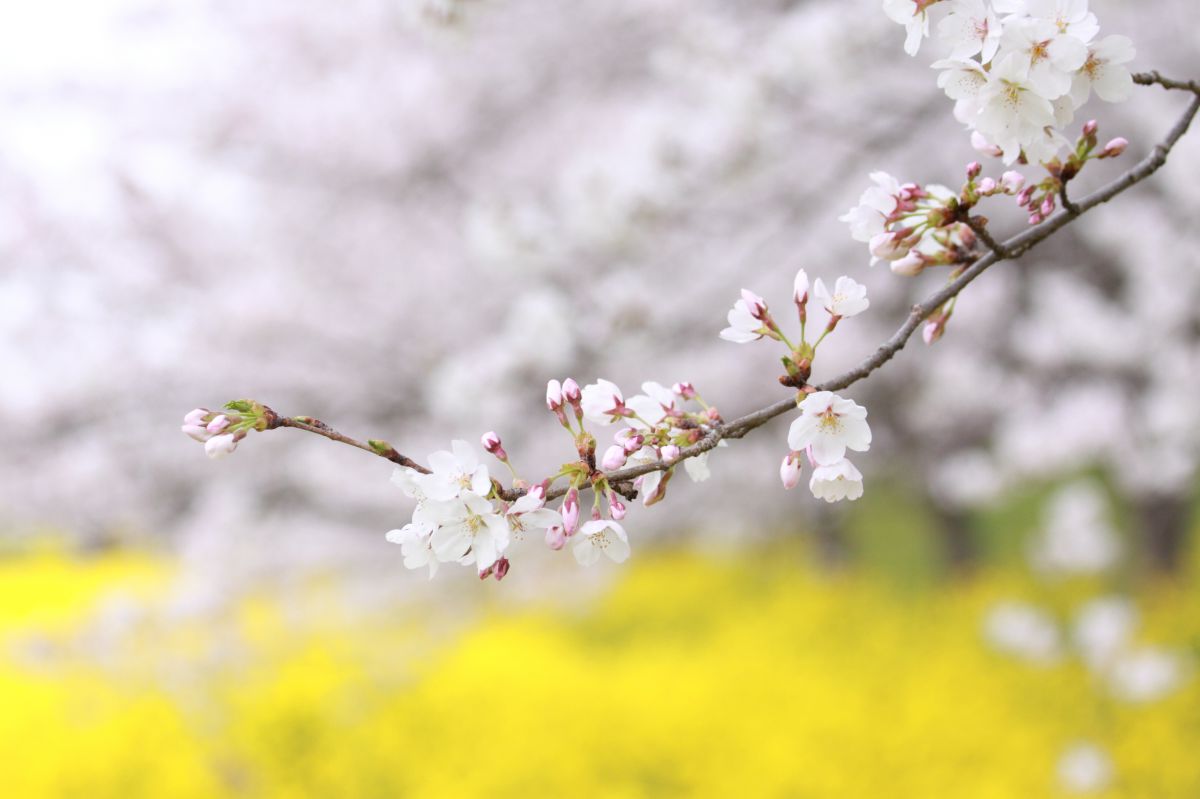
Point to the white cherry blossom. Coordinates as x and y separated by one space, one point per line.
964 82
971 28
653 405
415 546
868 218
830 425
744 326
602 402
601 537
1012 113
1104 71
469 531
529 515
1069 17
913 15
848 298
453 473
836 481
1051 57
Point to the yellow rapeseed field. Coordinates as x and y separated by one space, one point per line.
691 677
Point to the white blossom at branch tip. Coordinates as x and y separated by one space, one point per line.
848 298
830 425
601 537
743 326
455 472
836 481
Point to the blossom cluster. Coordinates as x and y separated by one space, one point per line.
1018 70
221 431
828 425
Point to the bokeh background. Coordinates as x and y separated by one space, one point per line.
403 217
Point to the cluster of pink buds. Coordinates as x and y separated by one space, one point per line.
1040 199
221 431
912 226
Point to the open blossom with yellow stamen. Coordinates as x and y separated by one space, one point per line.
830 425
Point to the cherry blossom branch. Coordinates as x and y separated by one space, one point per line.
1154 78
316 426
1012 248
261 417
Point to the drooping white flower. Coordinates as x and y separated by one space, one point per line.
602 402
469 530
1104 72
867 219
415 546
1084 768
1016 628
971 28
601 536
454 472
830 425
912 14
848 298
697 467
836 481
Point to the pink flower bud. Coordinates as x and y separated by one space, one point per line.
910 265
800 287
491 443
983 146
571 391
633 443
556 537
1026 196
669 453
1090 127
1012 182
197 432
1035 218
220 446
987 186
890 246
1114 147
570 512
685 390
1047 207
614 458
218 424
933 330
195 417
616 508
789 470
500 569
973 170
539 491
755 304
554 395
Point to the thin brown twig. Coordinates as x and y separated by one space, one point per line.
1011 248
